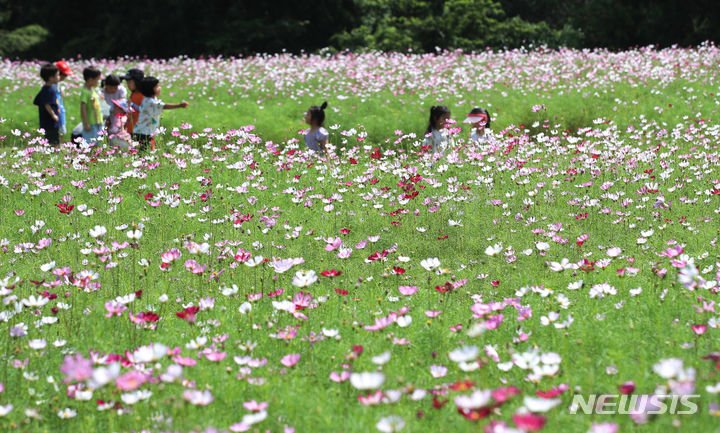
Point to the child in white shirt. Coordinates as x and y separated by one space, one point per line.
150 111
436 135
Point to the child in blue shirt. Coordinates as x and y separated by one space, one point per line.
48 104
65 72
316 137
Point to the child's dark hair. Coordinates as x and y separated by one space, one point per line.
436 111
318 113
147 86
111 80
482 111
47 71
90 72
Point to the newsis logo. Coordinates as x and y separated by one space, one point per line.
610 404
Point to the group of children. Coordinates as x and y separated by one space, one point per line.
124 120
438 138
137 118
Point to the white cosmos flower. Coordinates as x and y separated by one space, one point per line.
464 354
542 246
103 375
476 400
367 380
150 353
404 321
304 278
668 368
391 423
98 231
67 413
493 250
535 404
254 418
246 307
254 261
614 252
430 264
381 359
4 410
134 234
35 302
47 267
37 344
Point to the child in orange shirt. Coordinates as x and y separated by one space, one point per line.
133 79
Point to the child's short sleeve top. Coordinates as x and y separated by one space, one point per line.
439 140
313 139
149 119
91 98
47 96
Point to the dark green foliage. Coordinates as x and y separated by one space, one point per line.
164 28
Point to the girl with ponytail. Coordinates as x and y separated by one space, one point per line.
436 136
316 137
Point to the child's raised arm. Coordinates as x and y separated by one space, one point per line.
183 104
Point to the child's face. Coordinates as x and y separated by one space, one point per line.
110 89
131 85
443 120
308 117
157 89
92 82
479 125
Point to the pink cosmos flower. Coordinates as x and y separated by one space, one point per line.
114 308
342 377
184 361
131 380
254 406
290 360
76 368
408 290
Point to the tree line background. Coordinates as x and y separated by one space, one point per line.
166 28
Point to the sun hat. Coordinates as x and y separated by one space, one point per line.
134 74
472 118
64 68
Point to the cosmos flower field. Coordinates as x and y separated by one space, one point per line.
231 281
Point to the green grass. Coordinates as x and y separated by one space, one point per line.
631 333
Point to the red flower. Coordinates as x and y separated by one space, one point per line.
149 316
189 313
627 387
495 283
341 292
529 421
331 273
398 270
554 392
344 231
475 414
65 208
149 195
358 350
438 404
444 288
461 385
353 161
442 237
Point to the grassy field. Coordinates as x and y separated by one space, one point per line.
231 280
